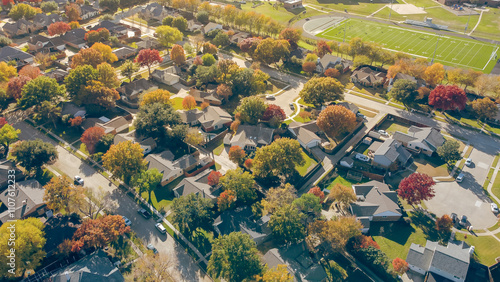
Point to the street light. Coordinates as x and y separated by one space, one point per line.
390 11
433 55
345 26
468 19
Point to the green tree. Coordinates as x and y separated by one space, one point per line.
319 90
221 39
234 258
271 51
33 154
308 204
128 69
110 6
125 160
29 243
205 74
153 119
48 111
251 109
404 91
168 35
78 78
22 11
287 224
361 60
148 180
242 82
277 198
192 211
449 151
41 89
202 17
180 23
95 93
278 158
8 135
242 183
107 75
208 59
49 6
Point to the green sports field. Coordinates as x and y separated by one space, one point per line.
451 51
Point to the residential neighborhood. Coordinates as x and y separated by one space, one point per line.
249 141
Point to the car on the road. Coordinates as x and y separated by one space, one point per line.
127 221
460 177
468 162
362 157
494 207
161 228
144 213
152 248
383 133
454 217
463 220
270 97
78 180
292 106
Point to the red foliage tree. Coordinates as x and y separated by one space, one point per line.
400 266
226 200
449 97
58 28
15 86
309 67
236 154
197 61
30 71
274 111
91 136
2 122
224 90
416 187
99 232
77 121
332 72
249 45
209 48
148 57
292 35
316 191
322 48
363 242
248 163
214 177
444 223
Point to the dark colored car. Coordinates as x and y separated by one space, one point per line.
144 213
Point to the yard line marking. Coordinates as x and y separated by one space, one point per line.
470 49
491 57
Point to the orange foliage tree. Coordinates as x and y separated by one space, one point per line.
58 28
400 266
188 103
336 120
91 136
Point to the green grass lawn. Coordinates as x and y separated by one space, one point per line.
218 150
161 197
487 248
452 51
392 126
352 6
432 166
177 103
496 186
44 177
302 170
280 14
341 180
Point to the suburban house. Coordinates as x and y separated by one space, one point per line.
167 76
124 53
154 11
238 37
350 106
442 263
249 137
347 162
110 126
197 184
194 26
292 4
88 12
5 167
214 118
40 43
29 200
242 220
424 140
210 27
94 267
75 38
299 261
390 155
330 61
42 21
57 74
147 43
368 76
190 117
375 202
398 76
210 97
147 144
131 92
70 108
22 58
19 27
118 30
306 133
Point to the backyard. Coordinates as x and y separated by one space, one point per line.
309 164
487 248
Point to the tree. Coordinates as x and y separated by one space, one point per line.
95 93
2 122
236 154
361 60
107 75
322 48
242 82
30 71
226 200
192 211
107 53
91 202
292 35
309 67
434 74
343 194
404 91
91 137
208 59
73 12
251 109
209 48
416 187
271 51
4 41
248 164
400 266
178 55
23 11
205 74
316 191
151 267
167 35
124 160
49 6
336 120
157 96
6 72
274 113
242 183
148 57
278 159
147 180
58 193
15 86
444 223
74 25
362 241
449 151
486 83
128 69
335 233
287 224
319 90
484 108
43 59
8 135
78 79
249 45
224 90
221 39
311 57
48 111
110 6
180 23
193 137
214 178
29 243
188 103
277 198
58 28
448 97
308 204
202 17
276 274
153 119
97 233
332 72
40 89
88 56
234 257
33 154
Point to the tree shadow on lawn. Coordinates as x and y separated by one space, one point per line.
398 232
428 226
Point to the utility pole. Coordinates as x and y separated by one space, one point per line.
433 55
390 11
345 26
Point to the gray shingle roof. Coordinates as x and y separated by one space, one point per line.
393 150
305 132
253 135
427 135
29 194
197 184
240 220
190 116
329 60
8 53
214 115
376 199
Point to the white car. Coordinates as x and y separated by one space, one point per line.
270 97
161 228
127 221
383 133
362 157
460 177
78 180
494 207
468 162
152 248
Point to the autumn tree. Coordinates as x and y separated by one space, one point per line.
236 154
100 35
8 135
124 160
58 193
107 53
251 109
40 89
151 267
33 154
88 56
22 10
434 74
322 48
335 233
226 200
224 90
91 137
7 72
319 90
332 72
362 242
416 187
286 224
214 178
248 164
148 57
342 194
278 159
276 274
316 191
209 48
336 120
444 223
30 71
449 151
73 12
292 35
74 25
271 51
274 114
400 266
486 83
249 45
309 67
192 211
188 103
58 28
97 233
277 198
242 183
167 35
15 86
95 93
448 97
234 257
404 91
484 108
178 55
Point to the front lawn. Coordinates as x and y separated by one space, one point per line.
177 103
496 186
217 151
486 249
69 134
392 126
302 170
432 166
341 180
162 197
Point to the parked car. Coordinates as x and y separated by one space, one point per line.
270 97
383 133
292 106
460 177
361 115
78 180
362 157
494 207
152 248
161 228
127 221
454 217
468 162
463 220
144 213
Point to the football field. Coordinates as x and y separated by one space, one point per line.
451 51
